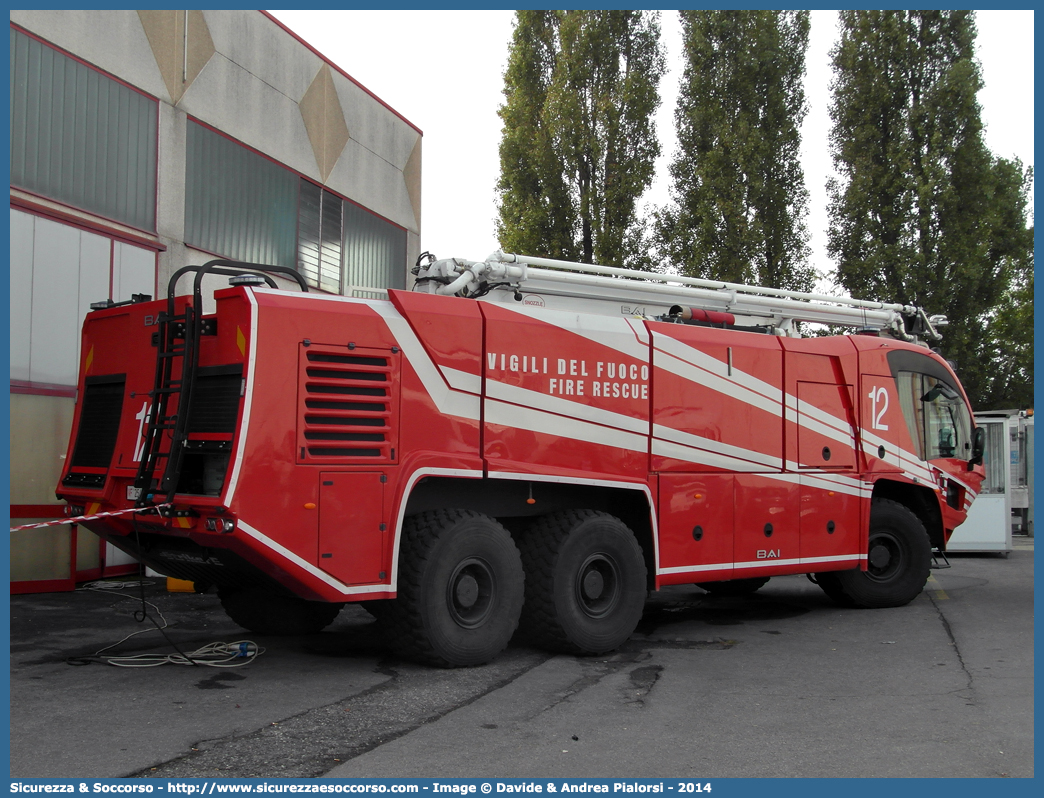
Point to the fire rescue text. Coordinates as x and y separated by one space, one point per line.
603 379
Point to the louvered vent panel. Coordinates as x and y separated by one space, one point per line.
98 429
349 401
215 401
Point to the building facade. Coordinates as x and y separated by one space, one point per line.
144 141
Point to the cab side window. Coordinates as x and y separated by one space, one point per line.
936 416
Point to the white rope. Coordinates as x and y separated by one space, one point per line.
80 518
212 655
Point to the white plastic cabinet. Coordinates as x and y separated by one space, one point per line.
988 527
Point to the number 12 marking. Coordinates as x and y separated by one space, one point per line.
878 394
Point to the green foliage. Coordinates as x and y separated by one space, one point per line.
738 197
579 145
1007 347
923 213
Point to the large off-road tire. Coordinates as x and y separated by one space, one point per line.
830 584
585 582
460 590
272 614
899 557
735 587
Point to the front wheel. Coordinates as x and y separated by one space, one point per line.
899 557
269 613
585 582
460 589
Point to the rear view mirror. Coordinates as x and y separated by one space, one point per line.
978 447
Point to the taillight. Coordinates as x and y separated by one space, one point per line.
225 525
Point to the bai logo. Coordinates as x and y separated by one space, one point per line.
768 554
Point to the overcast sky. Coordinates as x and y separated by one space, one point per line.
443 70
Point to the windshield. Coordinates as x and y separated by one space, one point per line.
936 415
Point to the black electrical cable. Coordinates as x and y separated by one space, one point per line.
139 615
144 613
485 288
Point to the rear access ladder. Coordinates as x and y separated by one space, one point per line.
177 343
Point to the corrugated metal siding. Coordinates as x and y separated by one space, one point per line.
80 137
319 237
238 204
374 251
308 224
330 252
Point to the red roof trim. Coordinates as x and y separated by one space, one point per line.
42 389
115 230
342 72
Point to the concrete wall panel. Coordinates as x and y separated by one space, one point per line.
265 50
40 428
170 175
111 40
88 549
232 100
39 553
374 126
373 183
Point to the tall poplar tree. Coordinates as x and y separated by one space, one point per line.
923 213
579 144
739 200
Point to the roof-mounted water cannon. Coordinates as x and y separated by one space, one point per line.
922 326
467 278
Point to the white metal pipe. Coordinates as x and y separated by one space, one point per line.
465 279
748 304
696 282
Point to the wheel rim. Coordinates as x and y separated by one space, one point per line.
597 586
885 558
470 593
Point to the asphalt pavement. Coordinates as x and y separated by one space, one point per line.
779 684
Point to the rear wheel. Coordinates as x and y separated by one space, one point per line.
735 587
899 557
460 589
585 582
270 613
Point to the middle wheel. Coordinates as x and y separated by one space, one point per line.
585 582
460 589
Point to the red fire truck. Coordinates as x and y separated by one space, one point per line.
517 443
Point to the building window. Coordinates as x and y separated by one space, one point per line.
374 253
56 272
237 203
242 206
343 248
319 237
80 137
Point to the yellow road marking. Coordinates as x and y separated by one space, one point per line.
940 593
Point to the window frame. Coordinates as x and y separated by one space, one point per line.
153 178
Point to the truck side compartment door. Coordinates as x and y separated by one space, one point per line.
767 534
696 527
352 526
